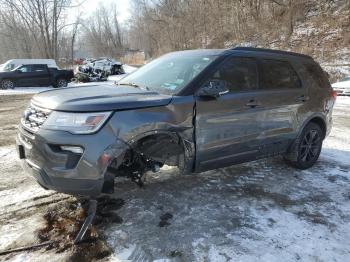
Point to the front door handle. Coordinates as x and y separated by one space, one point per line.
302 98
253 103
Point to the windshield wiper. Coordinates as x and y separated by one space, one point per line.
134 85
128 84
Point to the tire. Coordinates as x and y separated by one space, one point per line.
61 82
306 148
7 84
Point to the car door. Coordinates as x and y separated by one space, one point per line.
228 129
282 95
41 75
24 75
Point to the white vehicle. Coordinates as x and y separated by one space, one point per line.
13 63
110 66
103 64
342 87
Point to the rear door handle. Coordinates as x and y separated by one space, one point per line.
253 103
302 98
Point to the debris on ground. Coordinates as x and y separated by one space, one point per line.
63 223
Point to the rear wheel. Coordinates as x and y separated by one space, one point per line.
61 83
7 84
306 148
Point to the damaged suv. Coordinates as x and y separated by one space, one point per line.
198 110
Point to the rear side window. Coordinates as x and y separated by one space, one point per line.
317 74
237 74
278 75
38 68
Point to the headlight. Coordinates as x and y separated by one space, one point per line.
76 123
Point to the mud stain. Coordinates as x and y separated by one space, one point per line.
63 223
283 200
164 219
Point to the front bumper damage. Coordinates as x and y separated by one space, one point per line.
64 171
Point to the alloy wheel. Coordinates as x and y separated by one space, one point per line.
310 146
7 84
62 83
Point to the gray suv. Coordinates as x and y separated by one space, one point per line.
198 110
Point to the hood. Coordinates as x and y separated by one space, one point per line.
95 98
5 73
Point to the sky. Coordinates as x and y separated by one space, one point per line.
89 6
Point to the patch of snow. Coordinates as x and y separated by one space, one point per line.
342 101
129 69
4 151
116 78
24 90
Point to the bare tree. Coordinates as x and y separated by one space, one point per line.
102 32
33 28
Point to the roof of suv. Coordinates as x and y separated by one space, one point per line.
269 51
244 50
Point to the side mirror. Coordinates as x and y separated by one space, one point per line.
213 89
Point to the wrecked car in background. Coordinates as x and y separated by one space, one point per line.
96 70
342 87
197 110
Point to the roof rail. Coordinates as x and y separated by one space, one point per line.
254 49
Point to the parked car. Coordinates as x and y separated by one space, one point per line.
342 87
35 75
198 110
13 63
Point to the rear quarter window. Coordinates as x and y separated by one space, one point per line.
317 74
277 74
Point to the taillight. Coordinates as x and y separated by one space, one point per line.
334 94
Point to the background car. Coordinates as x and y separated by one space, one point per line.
13 63
35 75
342 87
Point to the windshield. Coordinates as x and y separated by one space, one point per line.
7 67
168 74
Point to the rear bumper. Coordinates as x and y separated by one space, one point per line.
54 169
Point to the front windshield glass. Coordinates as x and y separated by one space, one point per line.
7 67
168 74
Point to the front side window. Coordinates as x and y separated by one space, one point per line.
24 68
237 74
168 74
278 75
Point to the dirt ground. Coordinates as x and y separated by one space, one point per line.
11 108
259 211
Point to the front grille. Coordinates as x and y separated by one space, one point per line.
33 118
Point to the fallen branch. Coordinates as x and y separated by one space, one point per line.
26 248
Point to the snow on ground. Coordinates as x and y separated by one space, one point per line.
258 211
33 90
